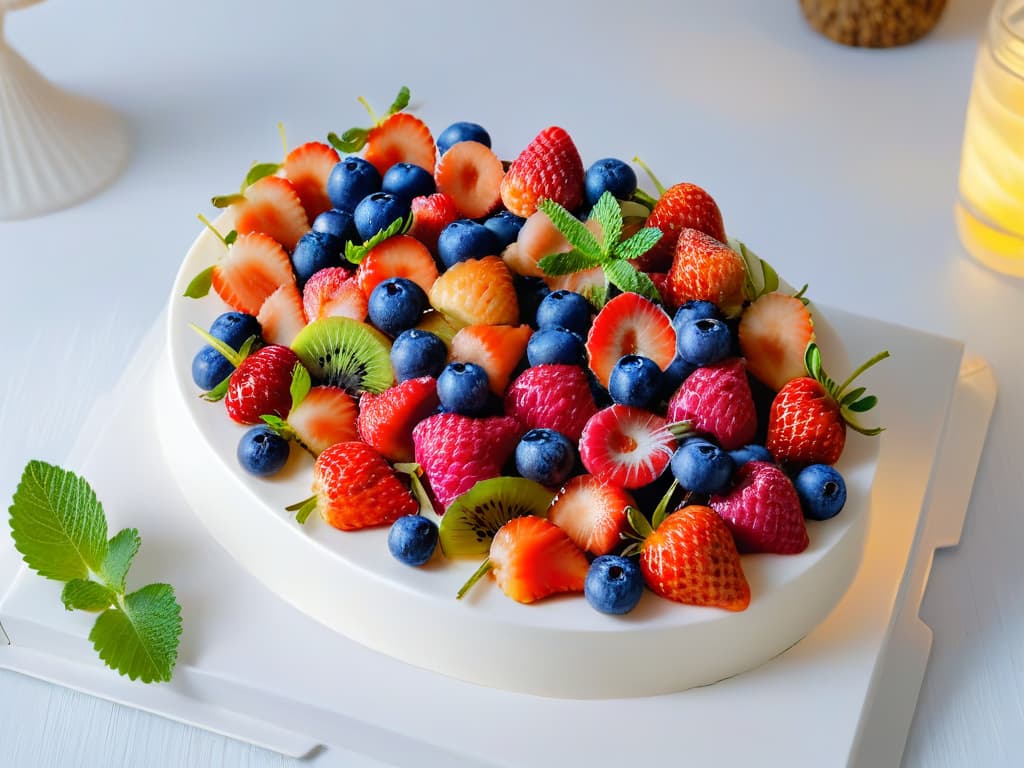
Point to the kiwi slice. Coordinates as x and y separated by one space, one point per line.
474 517
345 353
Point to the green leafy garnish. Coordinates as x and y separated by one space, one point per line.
760 277
59 527
851 401
354 139
200 285
356 253
259 171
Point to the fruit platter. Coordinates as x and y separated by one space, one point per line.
510 417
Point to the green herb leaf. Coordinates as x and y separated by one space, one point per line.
356 253
574 230
57 523
638 522
85 595
626 277
200 285
279 425
350 141
219 392
566 263
851 396
223 201
609 215
866 404
140 640
303 509
401 101
639 244
596 295
301 384
260 171
120 552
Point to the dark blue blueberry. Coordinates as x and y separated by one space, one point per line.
407 180
695 309
555 345
210 368
635 380
376 212
418 353
233 328
545 456
350 181
609 175
466 239
822 491
674 375
462 131
337 223
412 539
614 584
262 451
313 252
701 466
530 292
505 225
395 305
463 388
565 309
704 341
752 452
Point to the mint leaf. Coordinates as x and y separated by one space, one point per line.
57 523
639 244
120 552
301 384
401 101
350 141
200 285
260 171
356 253
140 640
566 263
85 595
626 277
608 214
579 237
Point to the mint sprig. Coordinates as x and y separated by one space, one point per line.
59 527
354 139
356 253
608 251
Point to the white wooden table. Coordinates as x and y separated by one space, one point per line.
837 165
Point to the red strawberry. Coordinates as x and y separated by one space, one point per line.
457 451
497 349
333 292
431 214
533 558
386 420
400 256
307 168
554 397
718 400
549 168
691 558
255 266
282 317
354 487
592 512
809 415
629 324
471 173
625 446
271 206
261 385
706 269
682 206
774 333
325 416
400 138
763 511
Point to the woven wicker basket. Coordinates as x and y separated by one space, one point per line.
873 23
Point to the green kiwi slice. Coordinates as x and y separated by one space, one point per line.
474 517
345 353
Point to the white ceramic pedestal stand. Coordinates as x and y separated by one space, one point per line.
56 149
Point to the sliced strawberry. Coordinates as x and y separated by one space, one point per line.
282 316
334 292
592 512
386 420
261 385
774 333
477 292
307 168
325 416
533 558
497 349
272 206
401 138
400 256
629 324
255 266
431 214
626 446
471 173
549 168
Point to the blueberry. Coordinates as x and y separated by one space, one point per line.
412 539
463 388
418 353
822 491
262 451
545 456
555 345
704 341
695 309
313 252
462 131
635 380
565 309
609 175
752 452
614 584
676 373
233 328
336 222
210 368
350 181
701 466
505 225
406 181
530 292
376 212
466 239
396 305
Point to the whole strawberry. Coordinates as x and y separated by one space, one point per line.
809 415
554 397
682 206
706 269
718 400
261 385
549 168
762 510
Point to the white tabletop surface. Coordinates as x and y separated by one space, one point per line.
837 165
